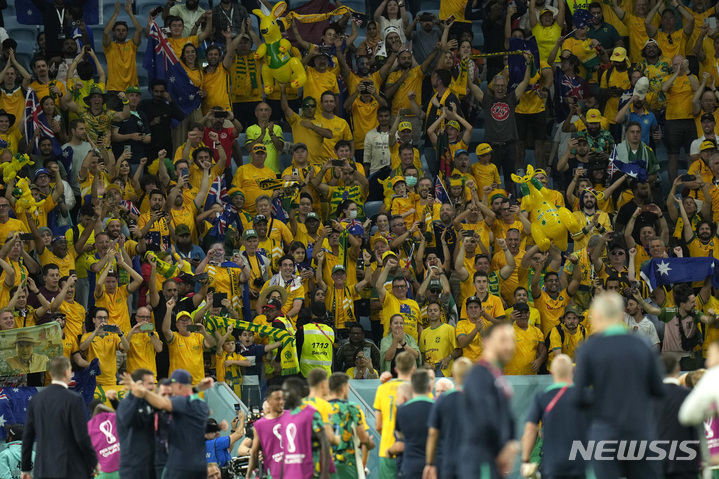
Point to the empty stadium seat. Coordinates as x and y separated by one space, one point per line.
25 37
371 208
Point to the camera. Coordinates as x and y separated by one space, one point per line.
258 283
220 114
155 11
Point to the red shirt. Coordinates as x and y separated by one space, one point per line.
227 137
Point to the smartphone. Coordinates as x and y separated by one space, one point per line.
449 19
220 114
147 327
237 407
27 236
72 271
185 172
193 328
155 11
127 149
236 252
217 299
201 276
131 222
686 178
337 162
110 328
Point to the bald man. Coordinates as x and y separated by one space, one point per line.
617 367
445 425
559 428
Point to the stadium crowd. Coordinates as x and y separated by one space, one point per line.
364 225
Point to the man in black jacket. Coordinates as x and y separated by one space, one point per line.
136 430
681 465
488 442
57 421
615 367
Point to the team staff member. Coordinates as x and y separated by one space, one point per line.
386 412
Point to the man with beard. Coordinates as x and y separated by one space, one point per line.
501 131
681 130
708 132
603 32
642 191
68 52
363 104
134 131
703 243
488 442
155 225
306 129
119 52
406 79
43 84
567 336
95 112
593 219
638 323
228 16
656 67
186 248
614 82
80 147
599 139
670 41
216 75
160 111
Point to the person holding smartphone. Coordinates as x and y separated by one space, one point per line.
103 343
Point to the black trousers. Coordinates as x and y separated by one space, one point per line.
503 157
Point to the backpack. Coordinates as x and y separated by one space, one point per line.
559 328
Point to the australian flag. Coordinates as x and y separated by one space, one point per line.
84 382
662 271
440 192
217 194
635 169
161 62
35 118
28 14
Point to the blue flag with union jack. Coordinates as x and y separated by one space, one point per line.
35 118
161 62
28 14
440 192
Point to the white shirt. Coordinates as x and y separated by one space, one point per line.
187 16
643 327
376 150
60 383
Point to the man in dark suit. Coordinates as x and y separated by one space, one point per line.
57 419
679 467
603 380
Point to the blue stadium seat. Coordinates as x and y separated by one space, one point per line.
109 8
25 36
477 135
356 5
144 10
371 208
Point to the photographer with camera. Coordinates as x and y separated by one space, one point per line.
219 448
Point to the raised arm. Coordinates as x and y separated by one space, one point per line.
648 25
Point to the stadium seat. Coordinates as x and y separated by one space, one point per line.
371 208
24 36
144 10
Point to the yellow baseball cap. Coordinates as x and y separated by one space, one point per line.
707 145
454 124
388 253
483 149
405 125
594 116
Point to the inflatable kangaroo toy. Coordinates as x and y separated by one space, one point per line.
279 65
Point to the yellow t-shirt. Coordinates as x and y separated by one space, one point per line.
309 137
12 138
40 214
473 350
711 333
619 80
385 401
121 65
452 7
141 353
217 86
546 39
491 304
246 180
508 285
674 44
637 35
413 82
526 352
177 44
103 347
74 317
407 308
10 226
13 103
186 353
320 82
364 119
436 344
551 310
679 99
116 305
569 345
65 264
484 175
340 131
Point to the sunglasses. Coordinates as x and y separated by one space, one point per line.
618 253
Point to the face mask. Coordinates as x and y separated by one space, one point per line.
353 214
410 180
